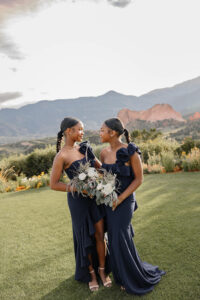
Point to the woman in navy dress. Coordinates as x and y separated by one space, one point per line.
133 275
87 217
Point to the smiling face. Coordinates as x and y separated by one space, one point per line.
105 134
76 132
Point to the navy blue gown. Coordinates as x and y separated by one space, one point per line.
128 270
84 213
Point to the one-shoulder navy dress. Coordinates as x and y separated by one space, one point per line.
128 270
84 213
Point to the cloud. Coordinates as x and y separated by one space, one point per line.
4 97
17 6
13 8
119 3
8 47
13 69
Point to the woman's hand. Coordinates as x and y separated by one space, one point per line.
86 193
70 188
116 203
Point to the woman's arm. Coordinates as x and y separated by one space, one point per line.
102 155
136 165
97 163
55 183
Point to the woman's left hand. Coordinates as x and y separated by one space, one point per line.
115 204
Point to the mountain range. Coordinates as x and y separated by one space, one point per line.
42 119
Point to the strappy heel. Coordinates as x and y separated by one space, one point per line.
95 287
106 284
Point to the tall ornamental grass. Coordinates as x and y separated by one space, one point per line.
168 161
5 185
156 147
191 161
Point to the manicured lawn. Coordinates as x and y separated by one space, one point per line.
36 248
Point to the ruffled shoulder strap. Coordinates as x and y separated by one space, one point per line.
123 154
86 149
132 148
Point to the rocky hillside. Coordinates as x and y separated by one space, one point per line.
191 130
195 116
156 113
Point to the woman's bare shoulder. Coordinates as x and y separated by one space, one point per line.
103 153
105 150
124 146
62 154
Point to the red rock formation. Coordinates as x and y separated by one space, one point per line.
196 116
155 113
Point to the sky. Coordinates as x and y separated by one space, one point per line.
60 49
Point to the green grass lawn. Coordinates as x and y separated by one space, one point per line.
36 247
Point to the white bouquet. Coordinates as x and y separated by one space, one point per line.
106 188
84 181
101 185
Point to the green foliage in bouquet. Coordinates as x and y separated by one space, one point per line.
92 183
106 188
84 182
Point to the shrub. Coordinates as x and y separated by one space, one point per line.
157 147
191 161
152 169
168 161
154 159
145 135
40 160
15 162
187 146
145 155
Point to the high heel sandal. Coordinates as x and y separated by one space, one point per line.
93 288
105 283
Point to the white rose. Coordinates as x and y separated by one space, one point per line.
82 176
99 186
107 189
92 172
